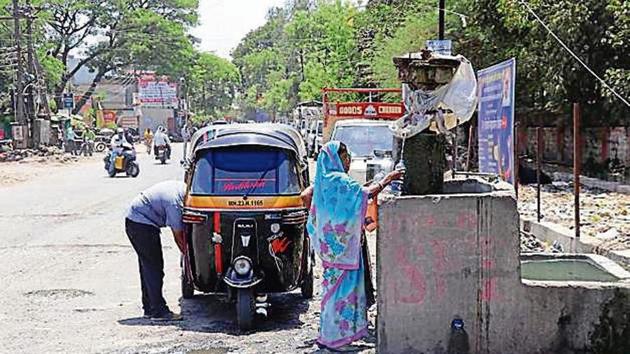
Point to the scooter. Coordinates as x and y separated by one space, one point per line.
124 162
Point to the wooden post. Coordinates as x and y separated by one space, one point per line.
577 164
517 166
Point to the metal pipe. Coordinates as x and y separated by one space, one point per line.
577 164
517 164
470 140
539 139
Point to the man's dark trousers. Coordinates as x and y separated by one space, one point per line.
145 240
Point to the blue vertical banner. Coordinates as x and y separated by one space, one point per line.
496 119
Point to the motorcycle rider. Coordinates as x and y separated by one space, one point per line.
117 144
161 139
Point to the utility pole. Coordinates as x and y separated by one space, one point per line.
19 98
31 110
441 8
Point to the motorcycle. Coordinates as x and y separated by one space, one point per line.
124 162
161 154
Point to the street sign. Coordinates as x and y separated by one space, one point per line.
368 110
440 46
496 119
68 100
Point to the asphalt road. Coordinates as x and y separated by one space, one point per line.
69 281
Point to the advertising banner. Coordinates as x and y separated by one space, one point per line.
496 119
157 92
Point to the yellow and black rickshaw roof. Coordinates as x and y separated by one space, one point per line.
271 135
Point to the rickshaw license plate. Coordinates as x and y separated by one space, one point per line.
246 203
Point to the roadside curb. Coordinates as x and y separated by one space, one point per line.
550 232
590 182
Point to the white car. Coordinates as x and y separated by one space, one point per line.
371 143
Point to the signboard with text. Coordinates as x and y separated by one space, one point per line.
157 92
443 47
496 119
68 101
377 110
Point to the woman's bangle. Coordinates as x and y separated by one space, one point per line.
380 186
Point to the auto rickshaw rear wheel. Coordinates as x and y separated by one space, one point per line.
245 309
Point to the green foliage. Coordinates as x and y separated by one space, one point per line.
300 50
548 78
212 83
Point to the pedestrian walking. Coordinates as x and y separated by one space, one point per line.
157 207
71 145
335 225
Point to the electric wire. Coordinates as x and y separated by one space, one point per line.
573 54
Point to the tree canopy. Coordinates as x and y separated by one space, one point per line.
305 47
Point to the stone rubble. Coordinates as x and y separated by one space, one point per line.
42 154
604 215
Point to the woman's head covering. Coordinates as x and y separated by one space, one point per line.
336 218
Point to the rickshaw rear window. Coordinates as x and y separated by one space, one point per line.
245 170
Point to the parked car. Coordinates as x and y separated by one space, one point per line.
371 143
315 137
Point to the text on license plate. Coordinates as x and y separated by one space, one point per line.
245 203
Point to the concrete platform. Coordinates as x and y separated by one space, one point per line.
449 282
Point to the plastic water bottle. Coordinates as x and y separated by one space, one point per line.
397 185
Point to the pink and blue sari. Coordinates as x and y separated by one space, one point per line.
335 226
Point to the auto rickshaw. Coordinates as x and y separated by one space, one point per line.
244 218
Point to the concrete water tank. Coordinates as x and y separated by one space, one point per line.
449 281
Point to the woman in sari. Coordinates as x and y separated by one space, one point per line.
335 226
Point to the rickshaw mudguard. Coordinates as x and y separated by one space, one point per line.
242 281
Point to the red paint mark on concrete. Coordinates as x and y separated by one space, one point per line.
439 267
489 290
466 221
411 286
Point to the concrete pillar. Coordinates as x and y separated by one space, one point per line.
425 159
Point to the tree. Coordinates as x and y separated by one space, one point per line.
147 33
302 48
548 78
213 83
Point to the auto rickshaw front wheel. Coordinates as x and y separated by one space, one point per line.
307 285
188 289
245 309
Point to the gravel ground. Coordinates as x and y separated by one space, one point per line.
70 282
604 215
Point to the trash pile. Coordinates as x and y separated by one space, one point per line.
531 244
604 215
41 154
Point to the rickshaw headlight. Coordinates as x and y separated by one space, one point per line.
242 265
275 228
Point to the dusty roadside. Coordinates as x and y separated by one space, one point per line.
12 173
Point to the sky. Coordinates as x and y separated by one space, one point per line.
223 23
